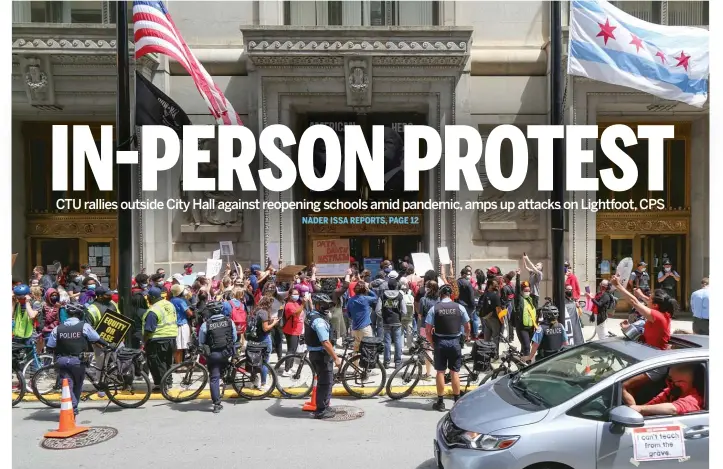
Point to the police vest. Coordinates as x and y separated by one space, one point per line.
643 280
219 334
311 338
447 318
166 320
70 340
552 339
669 282
94 314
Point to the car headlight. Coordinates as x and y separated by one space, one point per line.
482 442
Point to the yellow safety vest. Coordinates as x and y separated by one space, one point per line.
94 314
166 320
116 306
23 324
529 313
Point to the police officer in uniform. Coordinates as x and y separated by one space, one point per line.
69 340
217 336
321 352
159 335
445 323
550 337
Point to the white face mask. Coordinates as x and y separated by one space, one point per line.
667 269
525 294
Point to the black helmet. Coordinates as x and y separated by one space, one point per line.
75 309
445 290
214 307
321 301
550 312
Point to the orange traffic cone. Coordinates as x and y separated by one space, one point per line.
310 406
67 418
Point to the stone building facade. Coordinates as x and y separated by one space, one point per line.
439 63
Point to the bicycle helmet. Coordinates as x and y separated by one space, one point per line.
445 290
550 312
21 290
321 301
75 309
214 307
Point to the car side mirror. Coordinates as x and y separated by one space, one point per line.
626 417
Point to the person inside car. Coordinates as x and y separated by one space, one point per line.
678 398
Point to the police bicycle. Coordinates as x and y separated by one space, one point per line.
510 362
120 377
243 376
359 379
31 360
409 373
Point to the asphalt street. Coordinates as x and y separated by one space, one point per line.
258 434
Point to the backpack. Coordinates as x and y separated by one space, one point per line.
238 315
409 303
252 333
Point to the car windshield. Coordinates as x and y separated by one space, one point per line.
569 373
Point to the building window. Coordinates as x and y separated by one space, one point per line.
688 13
74 12
646 11
362 13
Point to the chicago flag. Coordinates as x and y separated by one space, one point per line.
609 45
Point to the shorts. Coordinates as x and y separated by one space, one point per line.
183 337
447 354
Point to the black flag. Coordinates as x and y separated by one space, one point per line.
153 107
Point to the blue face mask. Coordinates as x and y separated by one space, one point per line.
295 297
388 269
91 286
144 285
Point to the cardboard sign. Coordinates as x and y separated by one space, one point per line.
331 257
444 255
422 263
226 248
287 273
658 443
274 254
113 327
213 267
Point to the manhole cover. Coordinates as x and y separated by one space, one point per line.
343 413
92 437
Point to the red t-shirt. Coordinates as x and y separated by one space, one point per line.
293 324
657 331
691 402
352 285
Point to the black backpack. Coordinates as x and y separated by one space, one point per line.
252 327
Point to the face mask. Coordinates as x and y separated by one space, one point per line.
566 269
667 269
568 294
53 299
144 285
525 294
189 271
78 279
91 286
295 297
603 287
388 269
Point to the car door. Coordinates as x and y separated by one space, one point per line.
616 447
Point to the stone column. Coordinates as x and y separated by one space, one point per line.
18 235
699 204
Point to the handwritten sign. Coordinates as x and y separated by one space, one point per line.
331 257
444 255
113 327
213 267
658 443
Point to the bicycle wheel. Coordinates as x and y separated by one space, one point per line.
18 387
31 366
409 375
362 382
298 381
589 331
46 386
467 374
494 374
194 377
128 392
248 385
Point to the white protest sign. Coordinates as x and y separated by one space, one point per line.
226 248
624 269
216 254
213 267
274 254
444 255
658 443
422 263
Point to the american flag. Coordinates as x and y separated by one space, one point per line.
154 32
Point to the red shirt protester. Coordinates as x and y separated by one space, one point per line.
571 279
657 331
686 403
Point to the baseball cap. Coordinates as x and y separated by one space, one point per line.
393 274
666 262
642 263
201 274
101 290
255 267
187 265
493 271
178 278
154 292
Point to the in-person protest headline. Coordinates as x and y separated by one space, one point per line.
460 149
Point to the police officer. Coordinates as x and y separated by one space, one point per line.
218 336
550 337
321 352
69 340
445 323
159 335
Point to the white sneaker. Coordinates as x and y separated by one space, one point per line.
284 373
257 381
